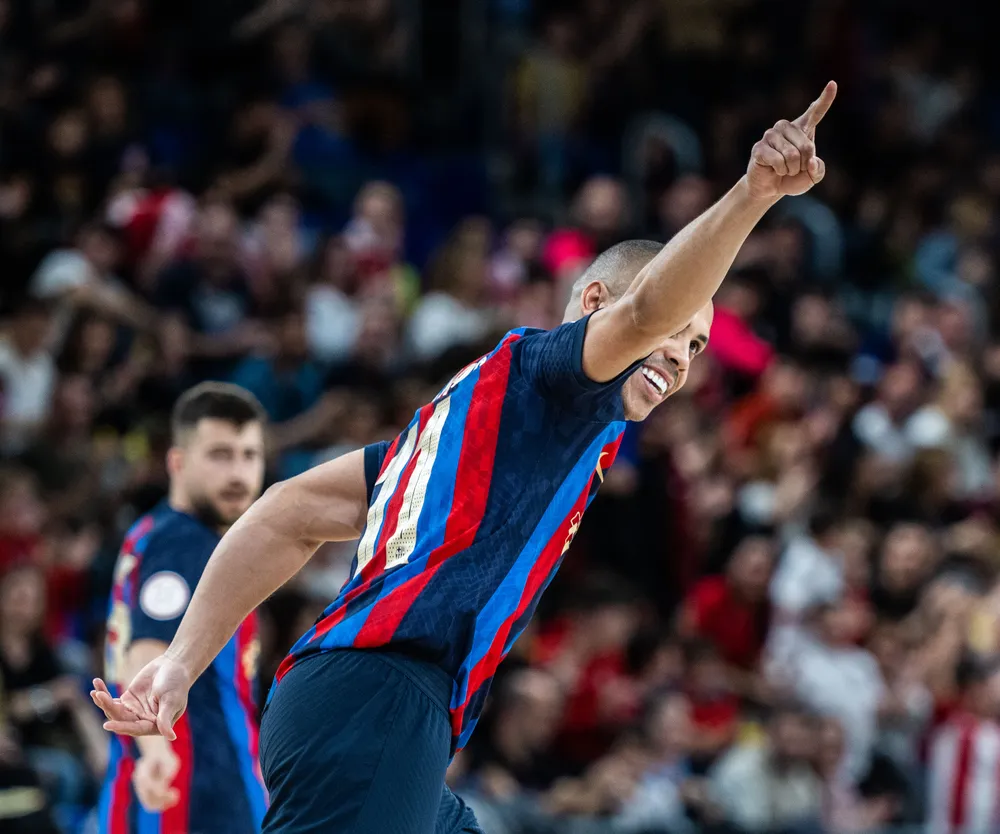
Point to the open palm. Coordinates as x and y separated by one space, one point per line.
151 704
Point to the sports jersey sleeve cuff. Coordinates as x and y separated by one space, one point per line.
580 376
374 455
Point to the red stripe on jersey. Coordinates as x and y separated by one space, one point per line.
540 571
958 788
121 797
472 488
175 820
244 674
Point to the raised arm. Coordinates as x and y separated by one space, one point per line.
262 551
688 271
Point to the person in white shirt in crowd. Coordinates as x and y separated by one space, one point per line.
773 787
27 376
83 277
826 670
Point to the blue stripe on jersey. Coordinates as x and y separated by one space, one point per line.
434 515
107 790
147 821
236 725
507 596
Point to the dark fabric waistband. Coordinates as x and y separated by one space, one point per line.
432 680
435 683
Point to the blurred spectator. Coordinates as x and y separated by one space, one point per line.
510 754
22 517
964 751
733 612
208 297
772 787
53 718
827 672
27 376
84 278
287 383
452 313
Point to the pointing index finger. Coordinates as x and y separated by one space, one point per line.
817 110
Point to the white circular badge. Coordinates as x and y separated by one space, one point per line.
164 595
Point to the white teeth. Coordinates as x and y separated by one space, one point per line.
658 381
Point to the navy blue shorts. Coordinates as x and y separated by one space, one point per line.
358 742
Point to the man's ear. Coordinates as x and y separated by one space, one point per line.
175 460
594 297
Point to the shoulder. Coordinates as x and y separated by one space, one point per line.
178 534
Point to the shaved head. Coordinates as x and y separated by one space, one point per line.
616 268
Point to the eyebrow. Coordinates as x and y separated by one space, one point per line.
702 340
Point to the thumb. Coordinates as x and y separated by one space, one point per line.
168 712
817 169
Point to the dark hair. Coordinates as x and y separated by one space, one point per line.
973 669
214 401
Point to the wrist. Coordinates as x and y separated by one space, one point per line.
180 655
747 196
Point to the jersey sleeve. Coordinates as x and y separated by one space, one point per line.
552 362
374 456
169 571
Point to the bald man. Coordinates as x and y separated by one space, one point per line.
463 520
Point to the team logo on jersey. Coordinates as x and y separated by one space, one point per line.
574 526
164 596
600 470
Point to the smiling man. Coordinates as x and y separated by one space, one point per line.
463 519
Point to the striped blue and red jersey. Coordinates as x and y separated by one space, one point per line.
219 780
471 510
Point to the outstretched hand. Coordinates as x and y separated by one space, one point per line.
151 704
784 162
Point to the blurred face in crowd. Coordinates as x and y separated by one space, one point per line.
101 248
534 708
684 201
217 230
707 676
30 330
900 389
611 626
22 512
670 725
792 738
380 207
217 470
906 557
786 386
74 405
843 622
107 105
830 747
68 134
22 600
96 342
600 208
751 567
292 343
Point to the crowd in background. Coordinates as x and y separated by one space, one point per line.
782 611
